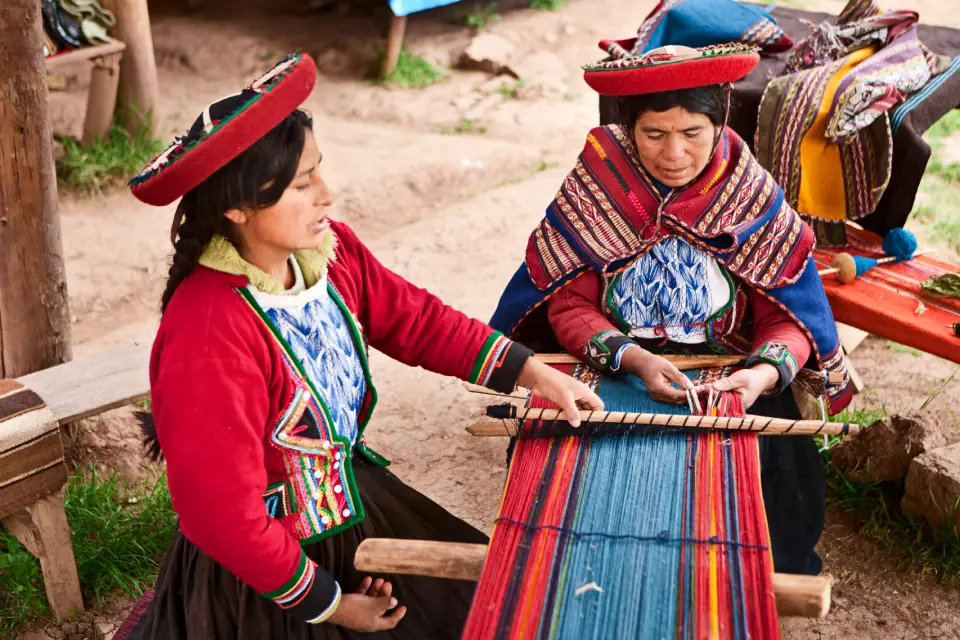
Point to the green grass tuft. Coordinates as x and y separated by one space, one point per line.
413 72
548 5
465 126
107 163
119 536
481 14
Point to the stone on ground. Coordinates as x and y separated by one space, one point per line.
488 53
883 451
932 489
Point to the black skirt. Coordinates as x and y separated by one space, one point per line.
197 599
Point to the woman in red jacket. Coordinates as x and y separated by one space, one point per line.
261 390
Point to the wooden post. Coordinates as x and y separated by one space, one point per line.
34 318
42 529
102 98
139 87
398 25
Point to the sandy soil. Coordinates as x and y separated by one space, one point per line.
451 213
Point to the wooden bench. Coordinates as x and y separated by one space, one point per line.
102 94
33 472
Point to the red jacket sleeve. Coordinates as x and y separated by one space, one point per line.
211 407
413 326
580 326
777 339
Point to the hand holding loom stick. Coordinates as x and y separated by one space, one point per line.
771 426
567 393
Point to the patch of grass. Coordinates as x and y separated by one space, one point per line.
548 5
119 536
413 72
465 126
511 91
900 348
108 162
545 166
937 211
478 17
946 127
22 595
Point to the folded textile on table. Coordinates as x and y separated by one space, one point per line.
72 24
823 129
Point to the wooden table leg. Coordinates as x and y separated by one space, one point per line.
102 98
398 25
42 528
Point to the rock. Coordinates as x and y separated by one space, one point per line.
105 630
883 451
543 75
487 53
933 486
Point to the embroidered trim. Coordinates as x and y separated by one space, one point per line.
293 591
773 352
278 500
490 357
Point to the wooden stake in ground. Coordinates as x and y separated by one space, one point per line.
34 318
398 25
139 87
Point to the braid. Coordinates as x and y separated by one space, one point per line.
191 238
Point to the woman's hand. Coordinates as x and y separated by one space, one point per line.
366 609
568 394
657 374
749 383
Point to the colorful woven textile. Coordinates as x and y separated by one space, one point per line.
700 23
629 536
823 130
887 300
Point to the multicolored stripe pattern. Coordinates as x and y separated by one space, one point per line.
491 356
293 592
647 536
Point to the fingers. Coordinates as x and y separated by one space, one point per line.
661 391
386 589
376 589
587 399
676 376
393 618
364 586
568 405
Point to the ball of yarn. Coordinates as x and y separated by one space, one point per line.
900 243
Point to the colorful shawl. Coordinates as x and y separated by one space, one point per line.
608 212
700 23
823 129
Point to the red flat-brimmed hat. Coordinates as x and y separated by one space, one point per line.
668 68
224 130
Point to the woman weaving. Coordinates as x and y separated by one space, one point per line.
261 390
668 237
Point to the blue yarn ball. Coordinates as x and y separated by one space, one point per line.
900 243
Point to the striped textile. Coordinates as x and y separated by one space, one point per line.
887 300
903 110
650 536
31 451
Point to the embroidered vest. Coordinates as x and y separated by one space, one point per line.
319 498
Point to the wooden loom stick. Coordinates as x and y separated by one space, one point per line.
796 595
684 363
774 426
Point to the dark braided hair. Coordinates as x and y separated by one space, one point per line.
253 180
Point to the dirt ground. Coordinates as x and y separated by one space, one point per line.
451 213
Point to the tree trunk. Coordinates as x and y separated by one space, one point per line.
34 316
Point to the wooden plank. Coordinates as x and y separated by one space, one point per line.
27 491
44 531
803 596
90 386
83 54
850 337
684 363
